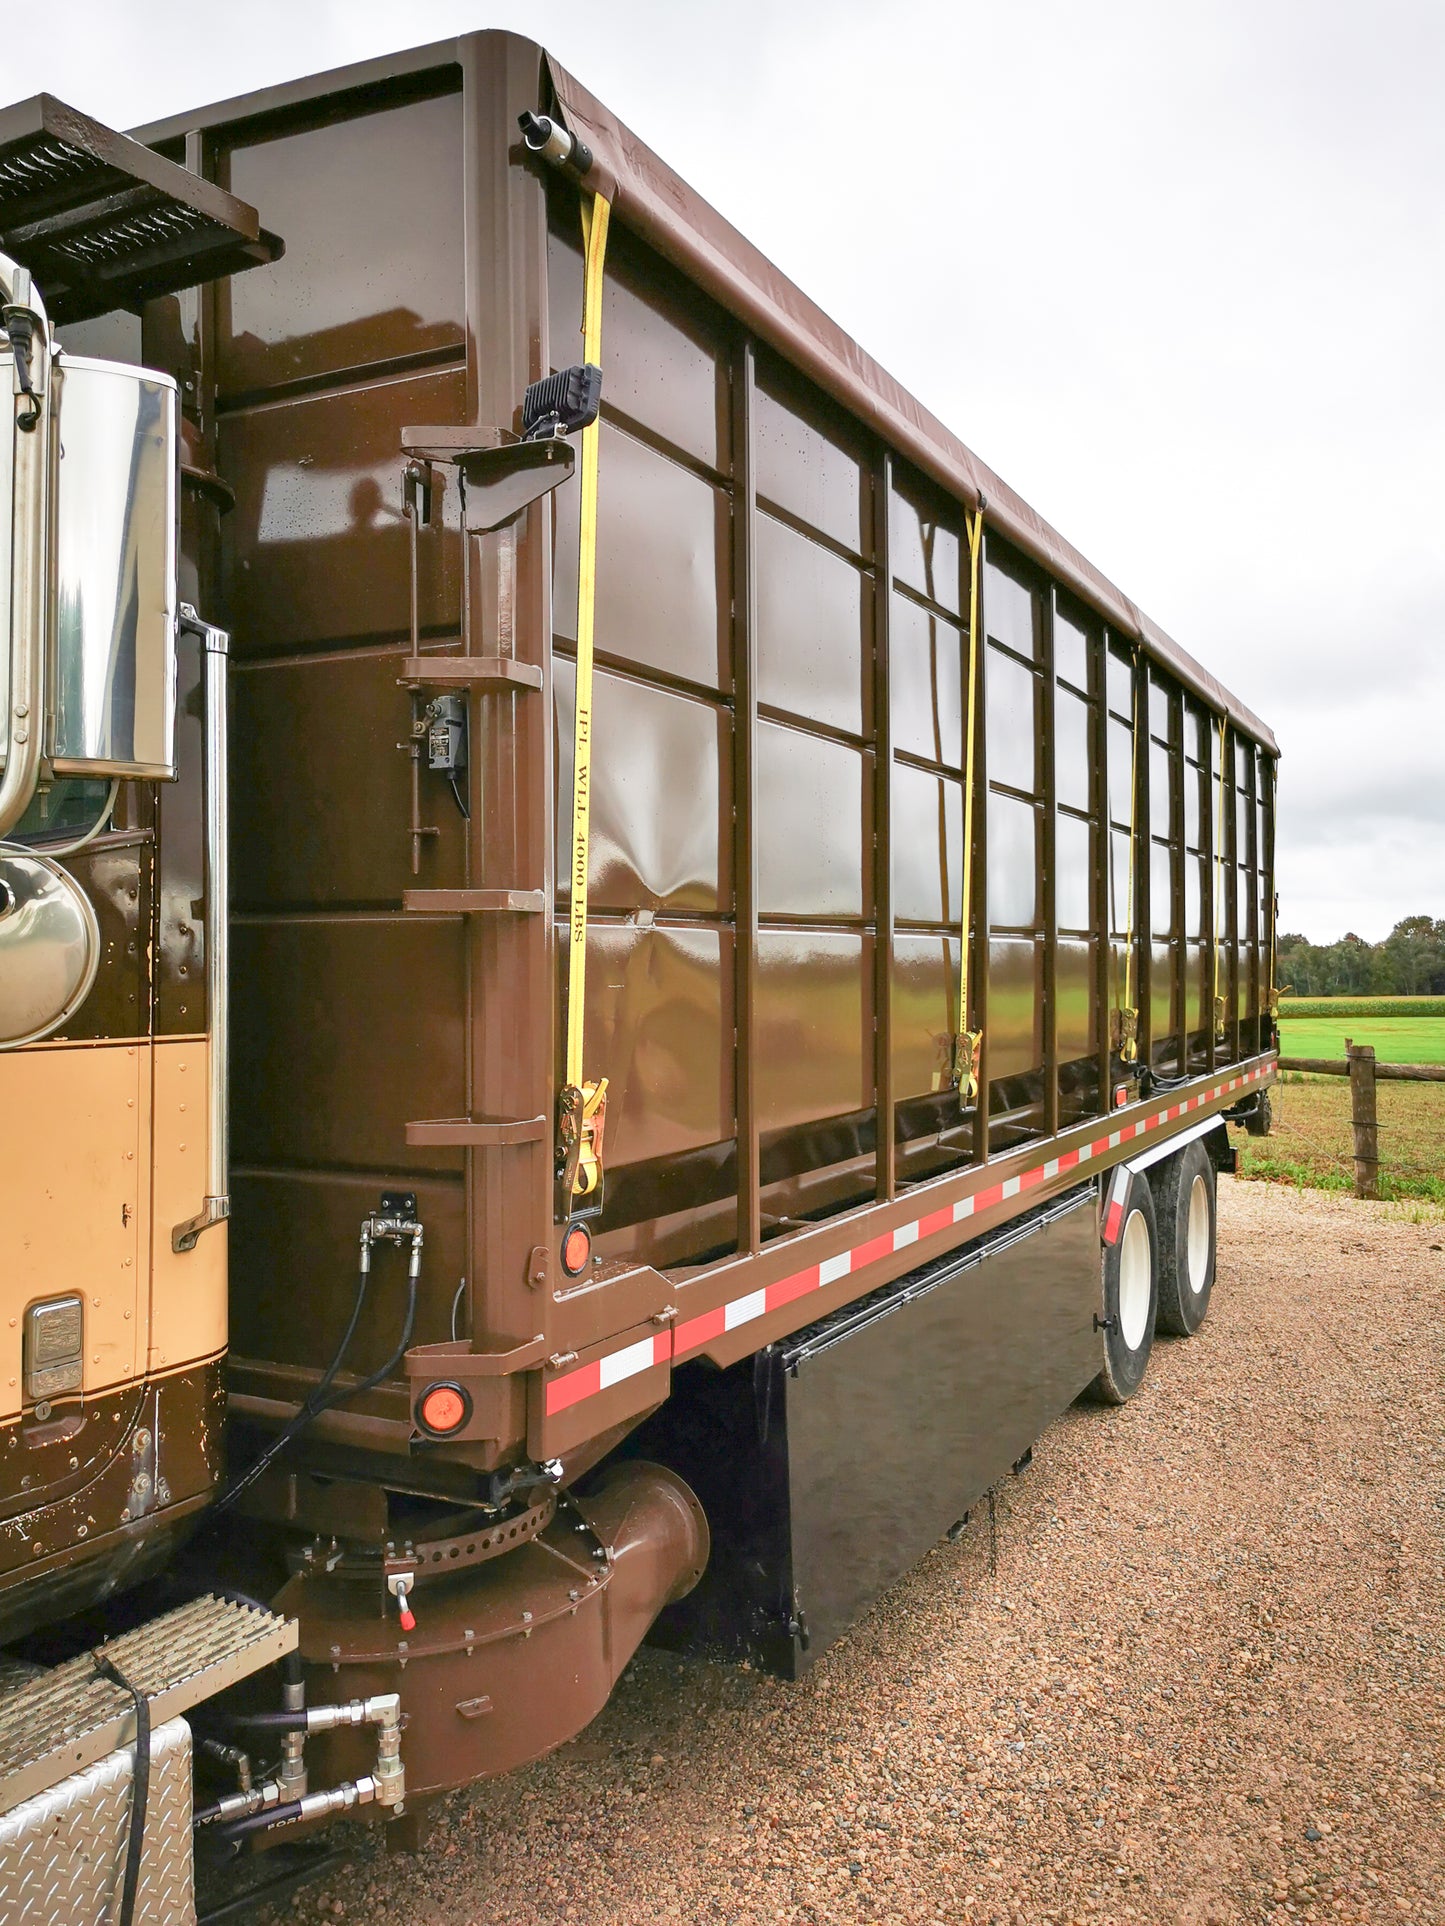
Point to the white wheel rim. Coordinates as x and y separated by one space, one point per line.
1135 1269
1198 1235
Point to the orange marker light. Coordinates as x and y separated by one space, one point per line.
576 1249
443 1408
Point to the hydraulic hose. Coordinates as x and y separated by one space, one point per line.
140 1781
323 1397
264 1721
238 1829
314 1404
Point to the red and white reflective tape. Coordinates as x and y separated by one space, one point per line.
1118 1197
602 1373
693 1333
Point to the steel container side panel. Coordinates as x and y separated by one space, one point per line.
814 806
653 748
1015 966
666 630
361 204
662 562
1020 877
348 1012
814 623
664 346
312 732
925 541
810 460
1075 847
814 1025
659 1020
315 551
1198 1017
346 1027
925 1013
927 842
293 1253
1077 1010
926 656
1165 958
1015 862
920 1413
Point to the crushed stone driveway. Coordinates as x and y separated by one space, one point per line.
1200 1679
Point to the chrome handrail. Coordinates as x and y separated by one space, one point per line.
29 537
215 646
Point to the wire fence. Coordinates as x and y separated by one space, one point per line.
1380 1146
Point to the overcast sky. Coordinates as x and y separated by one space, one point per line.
1178 273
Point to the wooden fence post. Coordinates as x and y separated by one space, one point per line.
1363 1118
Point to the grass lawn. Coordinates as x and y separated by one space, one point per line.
1397 1039
1311 1143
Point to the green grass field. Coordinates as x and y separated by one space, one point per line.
1396 1039
1311 1143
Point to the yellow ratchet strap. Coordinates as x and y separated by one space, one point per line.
1129 1010
967 1043
584 1105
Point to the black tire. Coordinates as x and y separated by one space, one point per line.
1184 1203
1260 1120
1128 1325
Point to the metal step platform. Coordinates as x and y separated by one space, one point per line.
102 222
62 1721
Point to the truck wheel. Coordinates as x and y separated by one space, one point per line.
1260 1120
1184 1202
1131 1299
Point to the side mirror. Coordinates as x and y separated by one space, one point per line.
113 597
88 482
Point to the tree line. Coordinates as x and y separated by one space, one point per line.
1409 962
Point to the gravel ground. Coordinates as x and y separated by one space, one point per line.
1203 1680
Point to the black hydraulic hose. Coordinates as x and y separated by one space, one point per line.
140 1785
281 1721
312 1406
317 1402
239 1829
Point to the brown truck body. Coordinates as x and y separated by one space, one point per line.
785 698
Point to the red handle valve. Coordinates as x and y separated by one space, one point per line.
400 1589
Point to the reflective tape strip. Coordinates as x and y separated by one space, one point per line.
1118 1198
633 1358
696 1333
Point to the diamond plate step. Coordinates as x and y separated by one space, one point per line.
62 1854
64 1720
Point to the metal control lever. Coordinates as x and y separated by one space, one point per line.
399 1584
